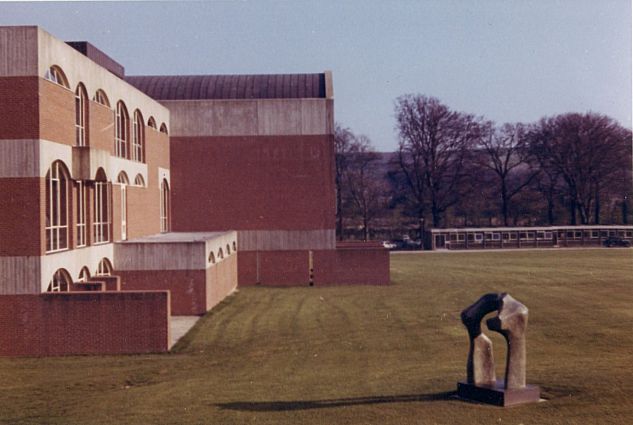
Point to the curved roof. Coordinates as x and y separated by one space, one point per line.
195 87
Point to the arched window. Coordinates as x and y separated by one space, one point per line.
138 136
122 131
104 268
84 274
101 98
81 115
60 282
57 207
82 207
57 76
164 206
139 181
122 178
151 122
163 128
220 254
101 223
211 258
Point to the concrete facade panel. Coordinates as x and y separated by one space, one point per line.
84 323
73 261
284 240
19 158
280 117
18 51
261 117
19 275
160 256
79 69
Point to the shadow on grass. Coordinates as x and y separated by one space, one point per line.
275 406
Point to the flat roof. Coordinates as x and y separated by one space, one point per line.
532 228
177 237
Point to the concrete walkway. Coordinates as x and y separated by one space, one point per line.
179 326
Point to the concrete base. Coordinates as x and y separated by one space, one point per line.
179 326
498 395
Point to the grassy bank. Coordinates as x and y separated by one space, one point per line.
363 355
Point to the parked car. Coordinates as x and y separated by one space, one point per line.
612 241
389 244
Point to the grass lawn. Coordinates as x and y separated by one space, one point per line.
363 355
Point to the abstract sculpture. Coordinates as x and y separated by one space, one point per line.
511 322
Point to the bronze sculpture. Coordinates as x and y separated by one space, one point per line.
511 322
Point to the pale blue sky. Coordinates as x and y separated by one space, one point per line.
506 60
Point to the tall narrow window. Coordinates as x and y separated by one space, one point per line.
138 136
101 223
122 131
56 208
123 181
81 214
81 113
164 206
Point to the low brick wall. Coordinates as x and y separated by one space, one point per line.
349 264
352 265
187 287
56 324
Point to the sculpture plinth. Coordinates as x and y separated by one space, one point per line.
497 394
511 322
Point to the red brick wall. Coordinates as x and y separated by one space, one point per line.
84 323
57 113
354 266
221 280
19 107
247 268
276 268
20 217
252 183
187 287
101 127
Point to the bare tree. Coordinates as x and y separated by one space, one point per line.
364 186
506 156
435 143
588 151
343 141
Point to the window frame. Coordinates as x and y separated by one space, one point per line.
57 206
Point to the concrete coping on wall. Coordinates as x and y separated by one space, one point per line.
175 251
176 237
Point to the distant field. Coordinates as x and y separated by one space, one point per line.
363 355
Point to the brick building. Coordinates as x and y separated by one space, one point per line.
186 184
